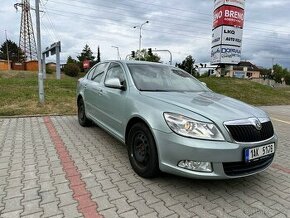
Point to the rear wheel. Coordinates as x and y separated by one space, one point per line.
142 151
83 120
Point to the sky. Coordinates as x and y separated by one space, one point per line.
182 26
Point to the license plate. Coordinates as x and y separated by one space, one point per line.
258 152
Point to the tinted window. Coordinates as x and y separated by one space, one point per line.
98 73
150 77
90 73
115 71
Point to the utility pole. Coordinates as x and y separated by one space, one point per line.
7 50
27 39
40 75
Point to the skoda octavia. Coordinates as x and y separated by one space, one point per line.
173 123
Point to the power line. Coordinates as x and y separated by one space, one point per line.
152 30
92 18
156 20
179 17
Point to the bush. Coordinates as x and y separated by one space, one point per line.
48 70
71 69
287 79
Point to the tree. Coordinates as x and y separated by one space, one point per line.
15 53
265 73
187 65
279 73
145 56
86 54
70 60
98 55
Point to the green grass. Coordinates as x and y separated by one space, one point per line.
249 91
19 93
19 96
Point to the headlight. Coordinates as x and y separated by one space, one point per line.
192 128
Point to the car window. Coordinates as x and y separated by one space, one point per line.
98 73
152 77
90 73
115 71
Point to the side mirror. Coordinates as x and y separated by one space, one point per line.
115 84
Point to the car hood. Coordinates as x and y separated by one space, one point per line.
213 106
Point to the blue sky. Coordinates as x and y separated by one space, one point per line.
184 27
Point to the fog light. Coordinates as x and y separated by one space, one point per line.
195 165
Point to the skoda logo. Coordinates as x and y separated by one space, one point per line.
258 125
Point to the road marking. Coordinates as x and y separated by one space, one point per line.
282 121
85 204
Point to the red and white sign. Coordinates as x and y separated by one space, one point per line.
86 64
237 3
229 16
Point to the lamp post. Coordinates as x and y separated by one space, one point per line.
140 36
118 51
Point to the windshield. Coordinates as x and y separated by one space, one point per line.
150 77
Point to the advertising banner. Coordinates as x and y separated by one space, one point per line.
232 36
228 15
227 33
226 54
217 36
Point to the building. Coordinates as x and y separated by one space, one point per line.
244 69
4 65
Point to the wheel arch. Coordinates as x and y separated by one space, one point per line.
79 98
133 121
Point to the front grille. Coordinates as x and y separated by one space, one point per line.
249 133
244 168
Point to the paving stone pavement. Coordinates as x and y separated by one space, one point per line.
35 183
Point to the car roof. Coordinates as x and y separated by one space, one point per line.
138 62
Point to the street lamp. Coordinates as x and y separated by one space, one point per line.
140 36
118 51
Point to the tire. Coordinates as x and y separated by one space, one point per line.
83 120
142 151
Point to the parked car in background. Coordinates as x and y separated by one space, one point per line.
173 123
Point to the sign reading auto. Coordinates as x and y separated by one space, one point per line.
228 22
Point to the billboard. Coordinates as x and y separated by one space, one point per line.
228 16
227 33
226 54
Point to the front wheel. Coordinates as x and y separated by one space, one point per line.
142 151
83 120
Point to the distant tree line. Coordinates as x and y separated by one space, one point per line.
277 73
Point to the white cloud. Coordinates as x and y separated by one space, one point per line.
183 27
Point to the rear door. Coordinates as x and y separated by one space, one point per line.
93 90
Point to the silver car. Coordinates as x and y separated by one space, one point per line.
173 123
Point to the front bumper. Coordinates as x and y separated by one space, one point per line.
173 148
